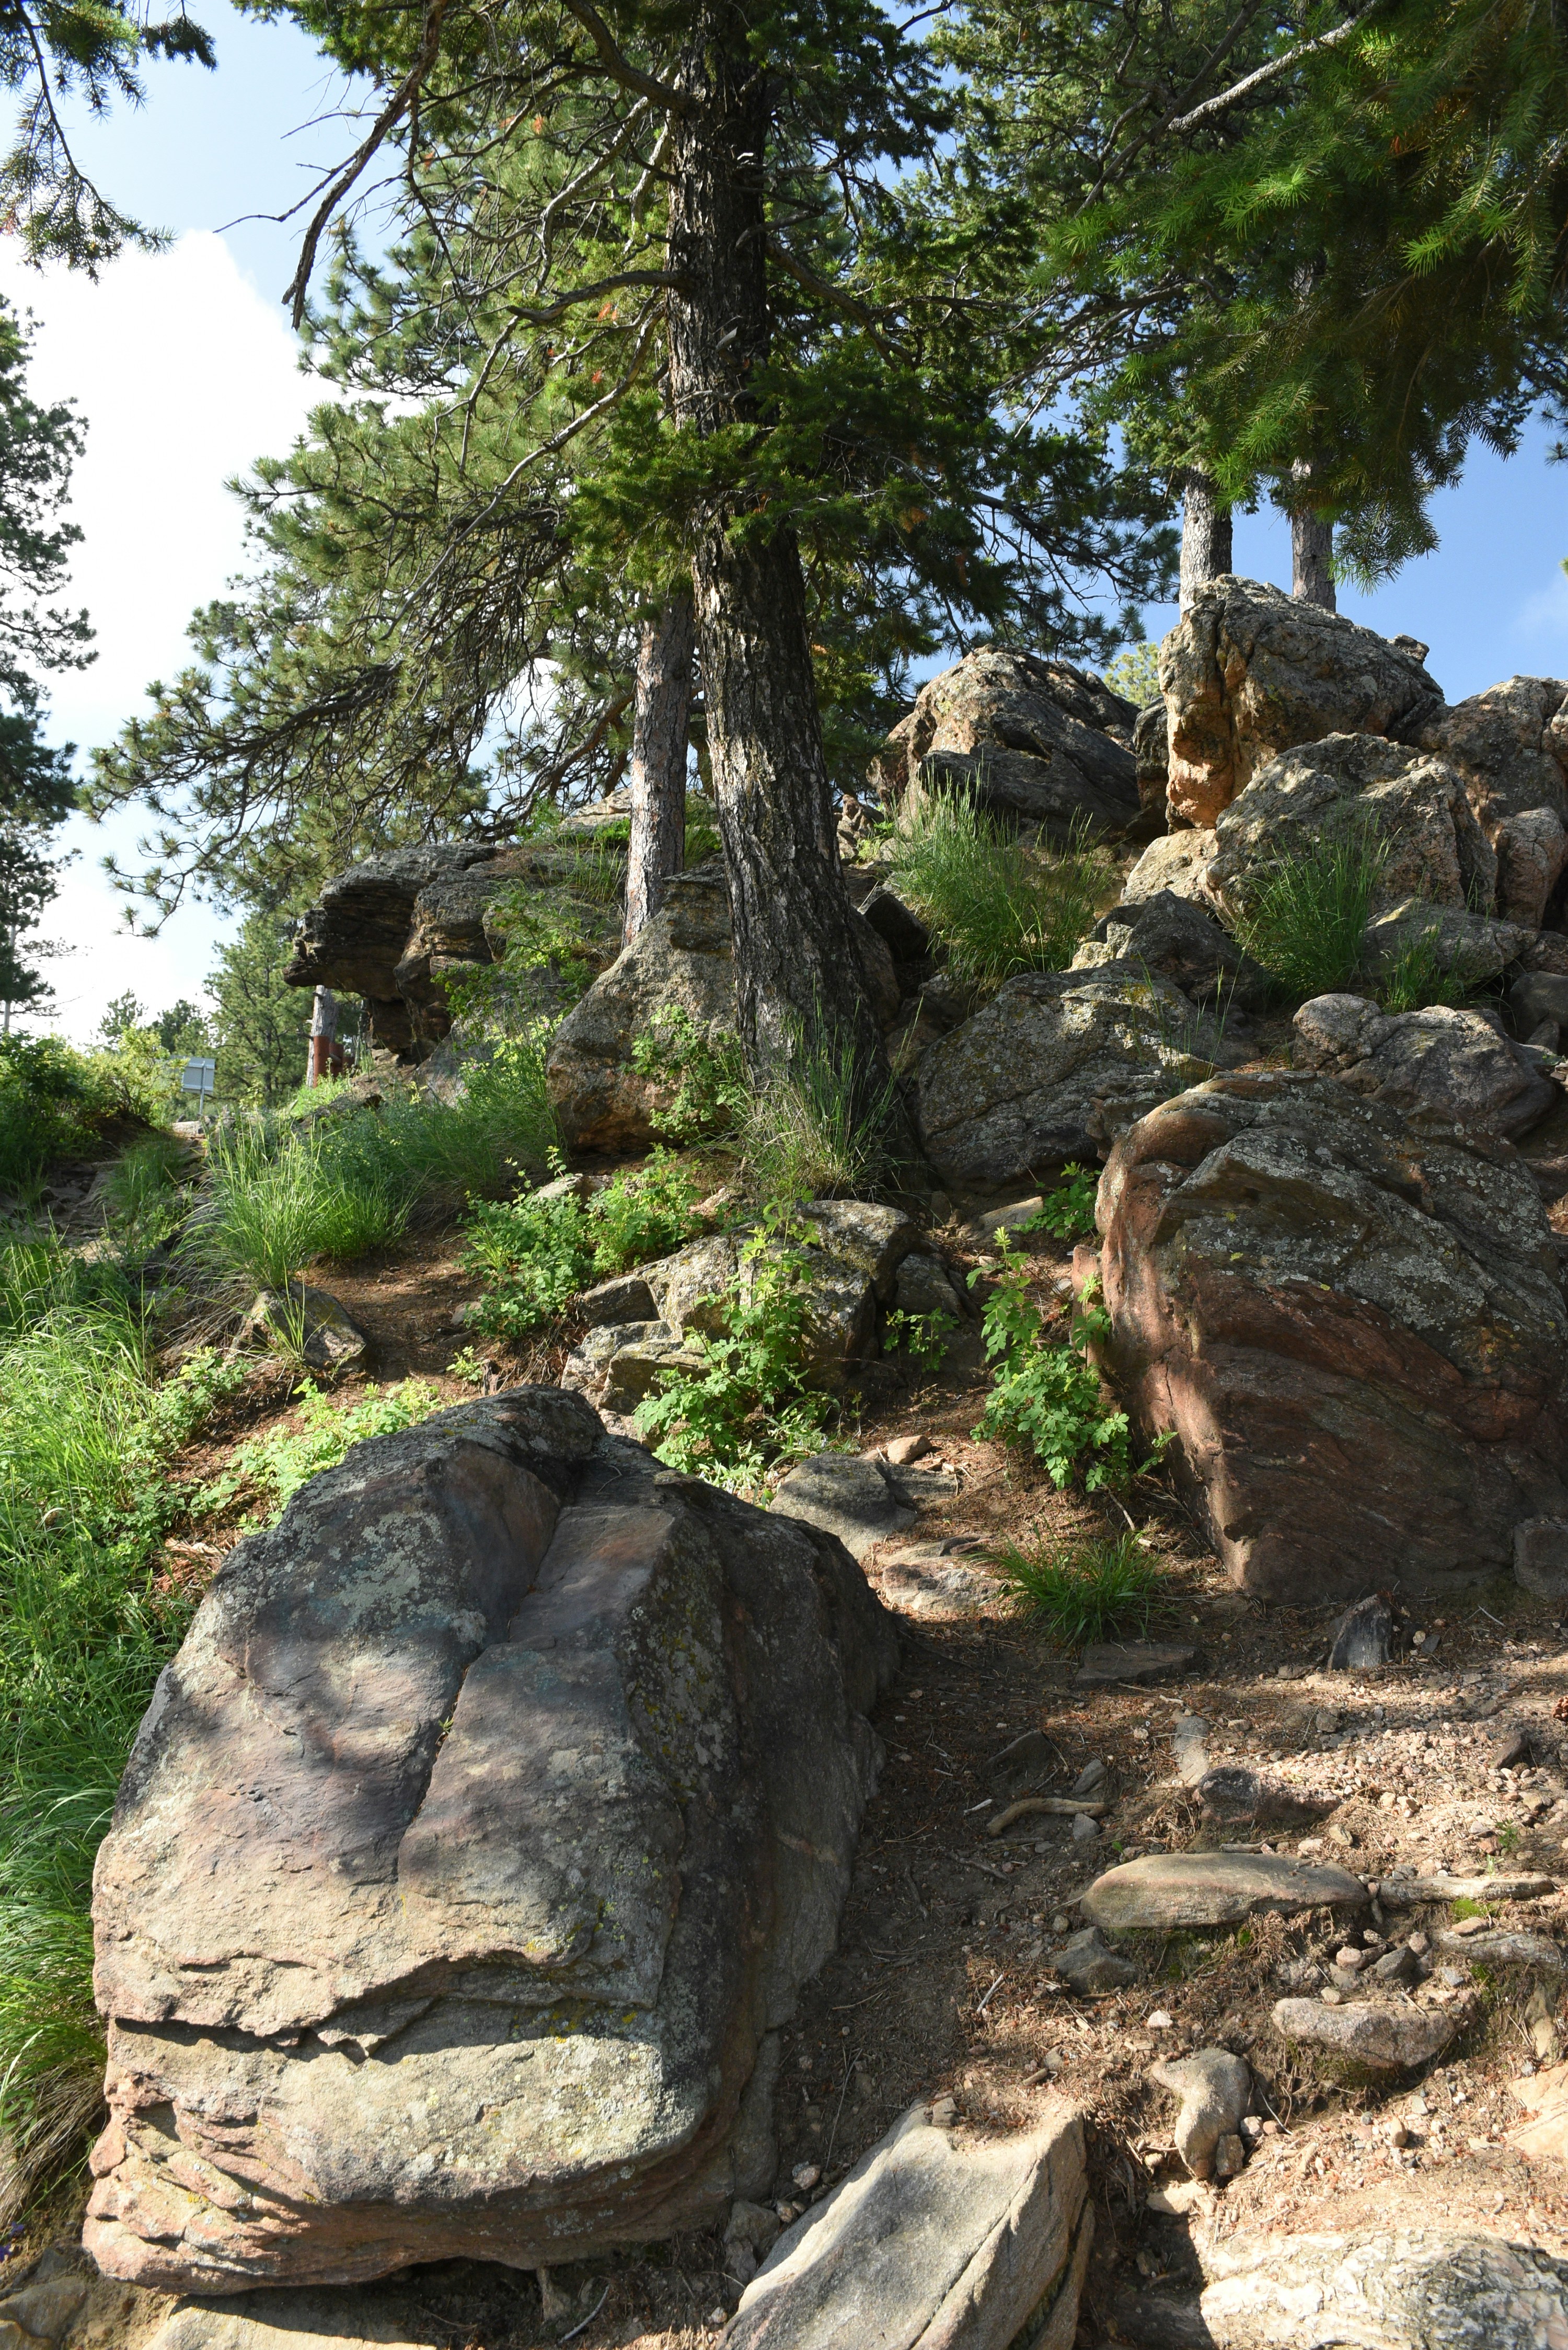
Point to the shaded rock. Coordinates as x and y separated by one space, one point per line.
1345 787
898 925
922 1286
1092 1776
1248 672
1540 1556
475 1843
875 1239
1410 2287
330 2317
1027 736
1022 1762
1085 1829
1510 744
1184 943
1539 998
1214 1889
1056 1061
683 958
1352 1322
1179 863
934 2238
1506 1949
307 1322
1233 1795
1387 2039
353 938
845 1496
931 1579
43 2309
625 1297
1151 754
1473 947
1215 2089
1363 1639
1088 1963
1456 1062
1107 1662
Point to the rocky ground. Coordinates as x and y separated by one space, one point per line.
945 1983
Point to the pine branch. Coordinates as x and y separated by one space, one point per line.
1249 82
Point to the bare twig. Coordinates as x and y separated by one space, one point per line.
1249 82
619 67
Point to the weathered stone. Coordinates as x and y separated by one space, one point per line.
1179 863
922 1286
1248 672
1151 753
851 1498
1214 1889
1027 736
1506 1949
1474 948
1540 1556
1088 1963
1215 2089
934 2239
1350 786
41 2312
1387 2039
625 1297
1406 2288
1457 1063
1056 1061
1188 1743
1510 744
1440 1887
1106 1663
1184 944
330 2317
932 1579
1352 1322
307 1322
1545 2096
1363 1639
875 1239
473 1849
1537 998
354 937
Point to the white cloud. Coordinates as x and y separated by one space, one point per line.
184 374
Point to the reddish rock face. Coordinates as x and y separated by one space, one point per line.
1351 1320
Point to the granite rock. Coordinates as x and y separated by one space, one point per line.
1214 1889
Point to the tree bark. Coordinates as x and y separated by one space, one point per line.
1205 534
1312 550
660 720
798 971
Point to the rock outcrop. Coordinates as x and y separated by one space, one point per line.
1248 672
1382 2290
354 935
1458 1064
1177 938
1036 740
1350 1320
474 1847
1510 744
1056 1062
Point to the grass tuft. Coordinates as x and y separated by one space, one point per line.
811 1133
1308 914
1088 1591
998 907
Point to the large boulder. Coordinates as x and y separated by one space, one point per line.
1459 1064
1248 672
1350 1320
1054 1064
1510 744
1349 787
1035 740
355 936
1178 863
1176 937
478 1839
1408 2286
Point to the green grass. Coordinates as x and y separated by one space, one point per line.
1417 976
1086 1591
812 1132
997 907
1307 917
53 1103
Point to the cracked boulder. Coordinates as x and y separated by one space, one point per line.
1057 1062
1350 1321
1248 672
1458 1064
473 1850
1184 944
1033 739
1510 744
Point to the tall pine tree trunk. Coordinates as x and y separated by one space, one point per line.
660 716
797 969
1205 534
1312 548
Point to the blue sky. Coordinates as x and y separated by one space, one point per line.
185 371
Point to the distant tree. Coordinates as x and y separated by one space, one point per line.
260 1028
120 1014
183 1029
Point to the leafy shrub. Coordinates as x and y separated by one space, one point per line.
810 1132
997 907
922 1336
1068 1209
1085 1591
535 1252
280 1462
1308 914
53 1103
747 1409
1047 1396
642 1212
703 1065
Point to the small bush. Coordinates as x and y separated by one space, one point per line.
54 1103
642 1212
702 1067
1309 913
811 1133
278 1464
923 1336
1085 1591
1047 1396
1068 1209
533 1255
997 907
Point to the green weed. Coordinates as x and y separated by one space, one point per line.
276 1465
533 1255
997 907
1068 1209
924 1337
702 1070
1047 1396
1309 912
1085 1591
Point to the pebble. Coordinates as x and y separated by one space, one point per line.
1085 1829
1160 2022
807 2175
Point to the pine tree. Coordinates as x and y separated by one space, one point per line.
259 1027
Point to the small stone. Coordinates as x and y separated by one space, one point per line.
1419 1944
1089 1964
1160 2022
1331 1998
1091 1776
1396 2133
1397 1966
1215 2089
902 1450
1110 1662
1085 1830
944 2113
1325 1721
1214 1889
1350 1958
807 2175
1387 2039
1059 1923
1363 1639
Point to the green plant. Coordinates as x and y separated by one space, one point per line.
1508 1836
642 1212
280 1197
810 1132
1418 975
745 1407
532 1254
278 1464
1134 673
1085 1591
1068 1209
54 1103
997 907
1463 1906
1307 915
469 1365
1046 1395
923 1335
703 1068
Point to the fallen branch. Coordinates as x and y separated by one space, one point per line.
1059 1807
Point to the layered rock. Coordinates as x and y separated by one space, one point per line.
1458 1064
1349 1319
1510 744
1382 2290
479 1838
1248 672
1036 740
354 937
1056 1062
